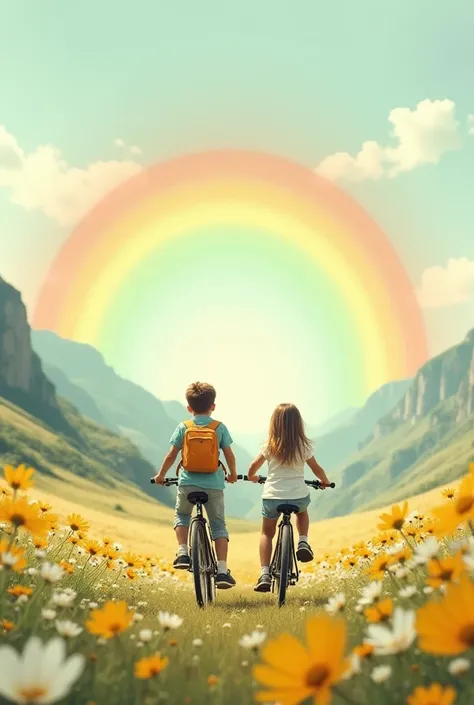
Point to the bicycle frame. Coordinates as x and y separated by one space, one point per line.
201 519
276 558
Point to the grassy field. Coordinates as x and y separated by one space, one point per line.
366 625
146 526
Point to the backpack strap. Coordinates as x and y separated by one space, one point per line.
214 425
189 423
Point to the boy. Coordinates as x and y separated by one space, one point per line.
201 403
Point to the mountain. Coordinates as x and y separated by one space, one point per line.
22 379
335 447
339 419
40 428
82 376
426 439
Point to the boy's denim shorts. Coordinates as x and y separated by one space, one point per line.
214 508
269 506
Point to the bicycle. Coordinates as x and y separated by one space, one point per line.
203 558
284 566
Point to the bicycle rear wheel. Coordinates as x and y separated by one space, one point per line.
203 585
285 563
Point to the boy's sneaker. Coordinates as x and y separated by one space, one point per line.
182 561
304 552
224 581
264 583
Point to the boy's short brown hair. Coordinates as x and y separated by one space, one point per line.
200 396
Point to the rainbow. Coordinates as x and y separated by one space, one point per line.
286 204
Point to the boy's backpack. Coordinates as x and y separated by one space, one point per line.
200 448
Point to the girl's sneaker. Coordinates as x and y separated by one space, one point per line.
264 583
182 561
304 552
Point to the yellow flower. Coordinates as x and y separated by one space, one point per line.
77 523
132 560
435 694
363 551
39 542
401 556
106 541
449 492
93 548
460 510
388 538
67 567
23 515
395 520
444 570
381 612
292 673
212 681
13 557
350 562
4 491
150 666
446 627
131 575
44 507
18 590
172 642
111 620
6 625
19 478
379 566
363 650
74 539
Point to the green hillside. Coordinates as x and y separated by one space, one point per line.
95 453
426 440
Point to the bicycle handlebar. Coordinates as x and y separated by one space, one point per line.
316 484
169 481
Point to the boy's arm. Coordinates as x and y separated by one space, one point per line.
167 463
318 471
254 466
230 458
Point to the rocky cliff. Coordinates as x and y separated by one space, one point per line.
449 376
22 379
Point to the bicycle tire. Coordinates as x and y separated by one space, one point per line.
199 563
285 562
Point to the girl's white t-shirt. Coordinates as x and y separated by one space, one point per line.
285 481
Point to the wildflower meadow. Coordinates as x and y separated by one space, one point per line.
85 622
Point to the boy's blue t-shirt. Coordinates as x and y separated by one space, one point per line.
207 481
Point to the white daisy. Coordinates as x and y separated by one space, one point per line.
459 666
41 674
353 667
169 621
336 603
408 591
396 639
381 673
145 635
425 551
370 593
68 629
253 640
48 614
197 642
51 572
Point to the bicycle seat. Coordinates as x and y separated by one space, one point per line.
198 497
288 508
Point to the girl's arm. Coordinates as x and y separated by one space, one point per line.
317 470
254 466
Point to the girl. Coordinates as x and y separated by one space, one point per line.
286 451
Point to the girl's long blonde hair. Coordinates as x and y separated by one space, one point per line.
287 440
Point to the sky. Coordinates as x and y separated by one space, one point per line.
374 96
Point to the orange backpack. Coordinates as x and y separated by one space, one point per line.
200 448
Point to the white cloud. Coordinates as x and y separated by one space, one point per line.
42 179
448 285
135 150
119 142
470 122
421 136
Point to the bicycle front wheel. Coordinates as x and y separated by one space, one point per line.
285 563
200 565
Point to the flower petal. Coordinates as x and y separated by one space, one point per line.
287 654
